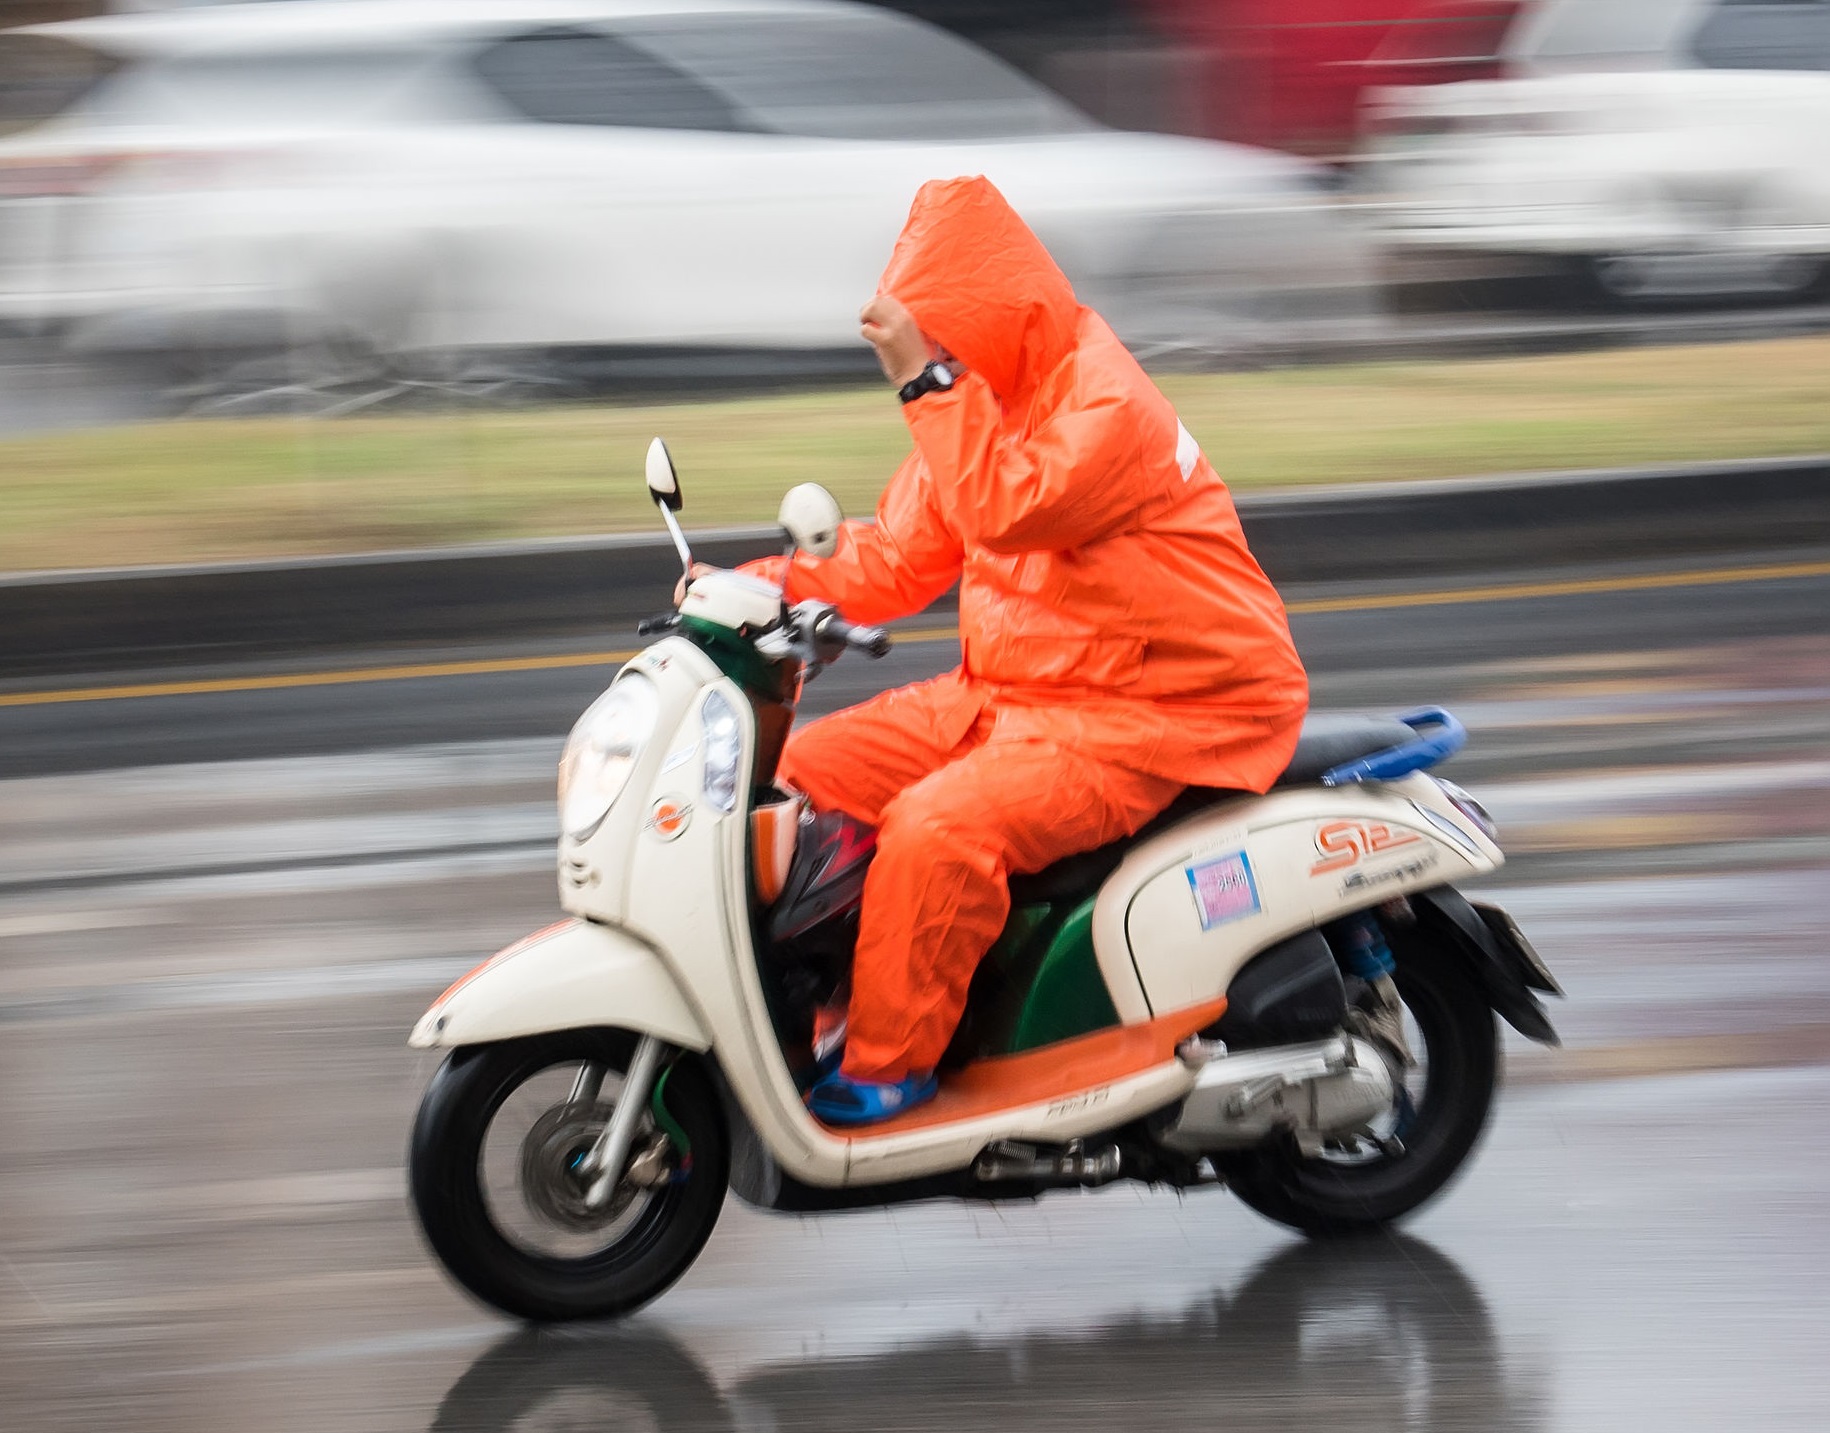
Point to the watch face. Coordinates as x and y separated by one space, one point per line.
943 375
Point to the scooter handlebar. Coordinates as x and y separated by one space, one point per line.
872 641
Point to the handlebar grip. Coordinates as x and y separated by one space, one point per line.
648 626
872 641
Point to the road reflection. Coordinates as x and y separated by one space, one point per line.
1386 1334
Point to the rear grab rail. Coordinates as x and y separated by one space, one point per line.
1439 736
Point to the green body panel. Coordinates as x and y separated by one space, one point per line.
1039 983
773 679
1020 935
1068 996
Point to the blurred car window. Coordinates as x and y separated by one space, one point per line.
866 76
40 78
1607 33
582 77
269 91
1764 35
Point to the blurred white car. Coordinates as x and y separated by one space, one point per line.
1669 146
533 174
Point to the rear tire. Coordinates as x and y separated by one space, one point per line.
665 1227
1460 1040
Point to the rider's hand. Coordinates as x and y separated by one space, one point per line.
699 570
902 348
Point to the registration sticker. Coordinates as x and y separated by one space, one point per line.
1224 889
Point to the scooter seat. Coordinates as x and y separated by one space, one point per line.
1331 741
1326 742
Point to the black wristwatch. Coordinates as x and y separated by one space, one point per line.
935 378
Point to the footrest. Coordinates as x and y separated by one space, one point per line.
1047 1073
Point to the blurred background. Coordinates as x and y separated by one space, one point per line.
387 209
292 292
365 194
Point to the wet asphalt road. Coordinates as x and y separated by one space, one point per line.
219 914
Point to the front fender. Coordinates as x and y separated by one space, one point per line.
568 976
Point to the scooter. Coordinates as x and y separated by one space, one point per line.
1282 994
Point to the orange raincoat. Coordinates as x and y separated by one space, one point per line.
1119 641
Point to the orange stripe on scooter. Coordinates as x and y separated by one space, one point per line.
500 956
1053 1072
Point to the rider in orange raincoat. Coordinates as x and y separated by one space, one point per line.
1119 641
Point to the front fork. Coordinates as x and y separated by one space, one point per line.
603 1165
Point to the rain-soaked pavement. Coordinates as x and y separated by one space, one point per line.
207 970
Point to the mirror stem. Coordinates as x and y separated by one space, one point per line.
673 528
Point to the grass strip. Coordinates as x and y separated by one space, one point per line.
201 490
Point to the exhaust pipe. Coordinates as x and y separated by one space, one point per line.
1329 1087
1011 1160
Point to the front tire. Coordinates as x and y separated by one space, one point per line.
1460 1047
589 1268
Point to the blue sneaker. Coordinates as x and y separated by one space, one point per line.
823 1066
841 1101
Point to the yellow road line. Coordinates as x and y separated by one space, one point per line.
1504 592
1671 1055
925 634
315 679
406 672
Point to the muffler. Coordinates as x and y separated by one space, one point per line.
1329 1087
1073 1163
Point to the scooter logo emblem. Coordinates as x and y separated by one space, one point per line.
1345 843
669 816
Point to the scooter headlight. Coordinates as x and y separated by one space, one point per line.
723 751
602 751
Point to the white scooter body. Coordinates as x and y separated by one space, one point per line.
660 937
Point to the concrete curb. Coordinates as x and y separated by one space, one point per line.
1461 526
160 616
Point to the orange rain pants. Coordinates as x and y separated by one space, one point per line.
954 823
1119 642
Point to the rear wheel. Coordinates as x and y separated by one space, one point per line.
1437 1120
495 1174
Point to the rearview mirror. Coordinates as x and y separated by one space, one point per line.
811 516
664 488
663 481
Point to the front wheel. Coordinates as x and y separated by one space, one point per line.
1437 1120
494 1172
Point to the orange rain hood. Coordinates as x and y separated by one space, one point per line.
979 281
